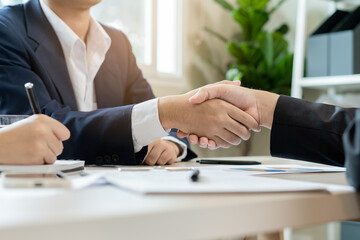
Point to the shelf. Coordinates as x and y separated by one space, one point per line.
299 82
347 82
345 1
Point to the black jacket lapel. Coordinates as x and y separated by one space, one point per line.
48 50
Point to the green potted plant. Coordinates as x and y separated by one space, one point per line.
261 59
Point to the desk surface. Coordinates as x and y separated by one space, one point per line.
106 212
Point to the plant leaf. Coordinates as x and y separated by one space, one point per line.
245 3
242 17
282 72
267 48
225 4
258 19
216 34
283 29
235 50
254 4
276 7
280 45
251 21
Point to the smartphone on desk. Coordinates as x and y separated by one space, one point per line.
229 162
34 180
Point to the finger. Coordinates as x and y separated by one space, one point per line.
166 157
203 142
193 139
153 156
243 118
172 161
49 157
60 131
54 144
229 137
181 134
150 147
207 93
220 143
212 145
238 130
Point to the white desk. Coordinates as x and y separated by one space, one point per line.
106 212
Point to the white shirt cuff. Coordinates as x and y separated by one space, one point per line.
145 124
181 145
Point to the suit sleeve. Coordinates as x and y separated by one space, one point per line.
98 137
309 131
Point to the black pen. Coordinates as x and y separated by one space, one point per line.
60 174
195 175
34 102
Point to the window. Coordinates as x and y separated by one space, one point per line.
11 2
154 29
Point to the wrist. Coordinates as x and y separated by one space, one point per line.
167 116
266 104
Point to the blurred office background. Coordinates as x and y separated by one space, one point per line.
168 39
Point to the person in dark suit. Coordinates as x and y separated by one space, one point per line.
87 78
300 129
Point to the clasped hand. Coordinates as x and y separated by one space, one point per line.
219 121
236 116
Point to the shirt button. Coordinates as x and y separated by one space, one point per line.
107 159
99 160
115 158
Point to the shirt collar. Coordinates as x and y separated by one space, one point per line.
97 36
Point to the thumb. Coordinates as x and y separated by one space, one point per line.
210 92
201 96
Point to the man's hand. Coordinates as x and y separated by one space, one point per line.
34 141
259 104
162 152
215 119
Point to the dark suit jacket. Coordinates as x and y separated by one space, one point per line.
31 52
318 133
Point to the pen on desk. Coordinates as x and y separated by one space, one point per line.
60 174
34 102
195 175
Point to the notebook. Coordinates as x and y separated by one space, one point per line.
59 165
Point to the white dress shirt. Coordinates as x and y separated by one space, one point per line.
83 62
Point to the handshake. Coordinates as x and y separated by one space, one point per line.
218 115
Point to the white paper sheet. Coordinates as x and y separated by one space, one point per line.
210 181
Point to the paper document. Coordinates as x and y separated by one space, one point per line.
59 165
216 181
284 169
